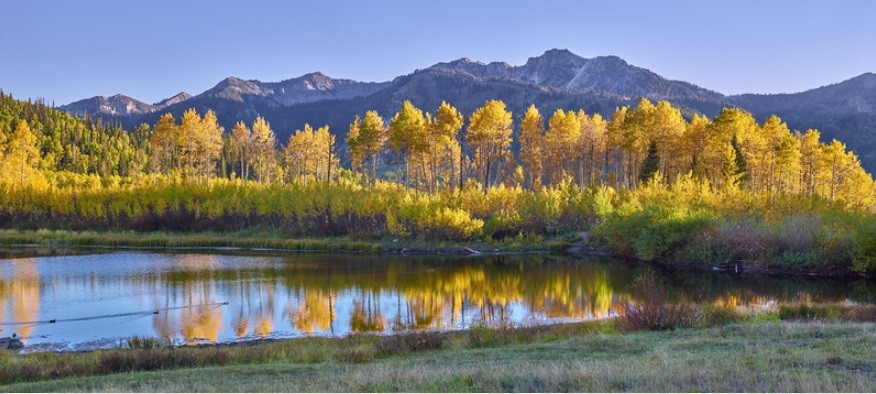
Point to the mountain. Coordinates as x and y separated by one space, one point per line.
120 107
556 79
845 111
114 106
178 98
563 70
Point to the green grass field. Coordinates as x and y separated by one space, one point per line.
751 356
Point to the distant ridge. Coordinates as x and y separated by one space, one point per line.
556 79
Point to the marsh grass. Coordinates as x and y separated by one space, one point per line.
137 342
831 312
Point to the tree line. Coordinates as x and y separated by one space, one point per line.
444 150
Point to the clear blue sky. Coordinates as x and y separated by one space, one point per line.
67 50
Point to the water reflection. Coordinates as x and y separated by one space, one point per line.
336 295
21 294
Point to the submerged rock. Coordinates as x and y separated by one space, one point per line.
13 343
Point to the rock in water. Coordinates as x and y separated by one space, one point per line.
12 343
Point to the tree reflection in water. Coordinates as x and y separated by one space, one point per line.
335 295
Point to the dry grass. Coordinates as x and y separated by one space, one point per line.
777 356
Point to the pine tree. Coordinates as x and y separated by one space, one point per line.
741 166
651 165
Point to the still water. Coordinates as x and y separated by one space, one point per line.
299 295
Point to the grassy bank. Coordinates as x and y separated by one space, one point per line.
767 356
48 240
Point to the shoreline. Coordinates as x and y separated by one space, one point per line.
644 359
64 242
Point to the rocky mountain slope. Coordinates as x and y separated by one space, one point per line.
555 79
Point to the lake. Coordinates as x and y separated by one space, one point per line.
192 298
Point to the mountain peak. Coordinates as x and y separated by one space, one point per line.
611 59
119 96
231 81
559 53
177 98
868 76
465 60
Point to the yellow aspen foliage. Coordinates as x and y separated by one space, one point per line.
262 151
531 137
489 135
561 145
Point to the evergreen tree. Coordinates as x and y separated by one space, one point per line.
651 165
741 167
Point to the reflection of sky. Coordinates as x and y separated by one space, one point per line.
329 295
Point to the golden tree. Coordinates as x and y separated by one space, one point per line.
241 143
489 134
592 148
365 140
166 144
443 145
561 145
407 135
532 147
21 156
262 149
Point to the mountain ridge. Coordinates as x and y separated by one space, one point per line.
558 78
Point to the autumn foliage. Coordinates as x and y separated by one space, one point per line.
648 182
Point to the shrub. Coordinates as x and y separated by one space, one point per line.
354 356
147 343
714 316
792 260
705 248
810 312
480 335
800 234
864 246
408 342
748 239
660 238
652 310
860 313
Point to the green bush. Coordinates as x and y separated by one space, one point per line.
864 246
705 249
801 260
810 312
714 316
652 233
